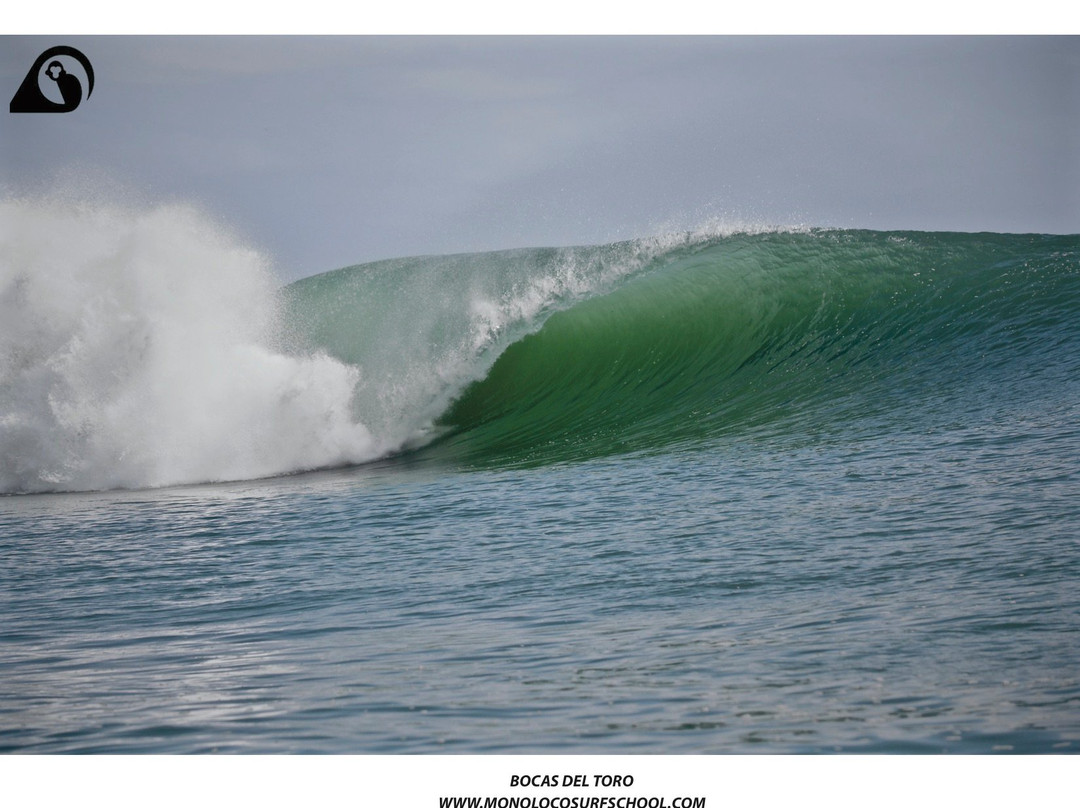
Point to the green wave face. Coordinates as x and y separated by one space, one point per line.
792 335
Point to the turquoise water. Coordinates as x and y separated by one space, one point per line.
742 492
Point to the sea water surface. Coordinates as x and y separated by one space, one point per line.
728 491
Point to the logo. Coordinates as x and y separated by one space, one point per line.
50 86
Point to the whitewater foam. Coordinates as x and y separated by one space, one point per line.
138 348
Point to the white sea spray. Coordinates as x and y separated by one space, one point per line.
137 349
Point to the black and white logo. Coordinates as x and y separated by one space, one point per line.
54 83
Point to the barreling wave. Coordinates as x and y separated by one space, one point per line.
543 356
150 347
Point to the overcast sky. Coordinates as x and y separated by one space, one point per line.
325 152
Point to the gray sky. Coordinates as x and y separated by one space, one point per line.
326 152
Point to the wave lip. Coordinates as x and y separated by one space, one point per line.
420 330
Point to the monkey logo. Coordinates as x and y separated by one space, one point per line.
30 96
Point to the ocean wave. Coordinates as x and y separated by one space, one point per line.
793 334
149 347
